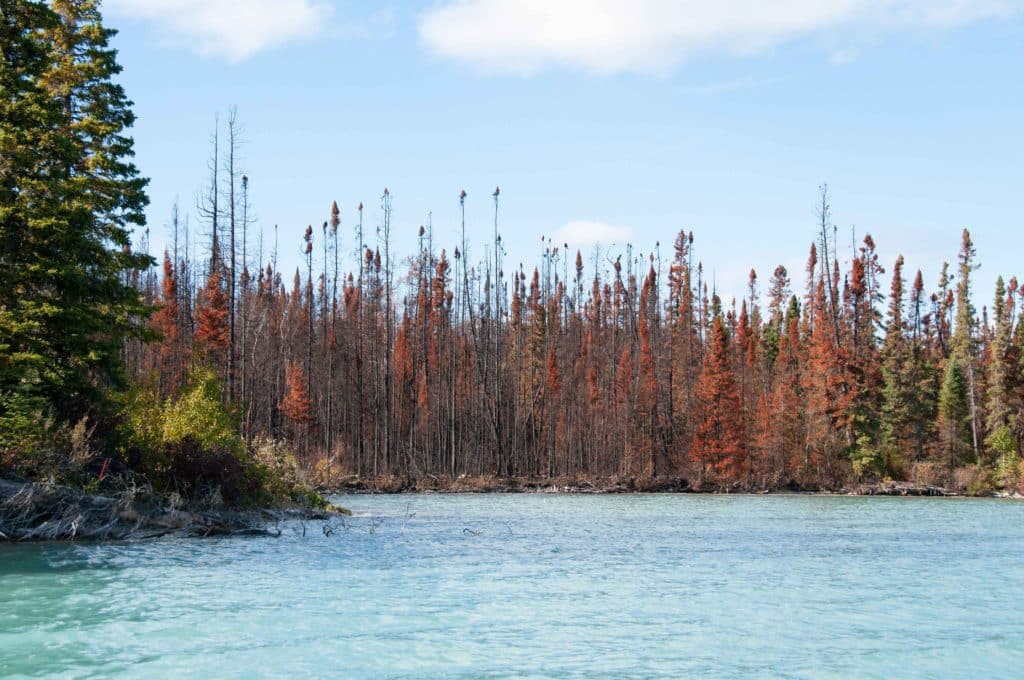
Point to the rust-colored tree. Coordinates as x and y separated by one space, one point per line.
167 323
213 332
719 447
297 406
444 372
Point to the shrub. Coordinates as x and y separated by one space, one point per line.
329 472
209 475
280 476
929 473
27 435
199 415
973 480
190 446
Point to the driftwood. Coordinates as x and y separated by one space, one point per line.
47 512
903 489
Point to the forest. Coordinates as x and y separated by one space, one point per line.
211 364
435 367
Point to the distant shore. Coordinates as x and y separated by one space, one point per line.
622 485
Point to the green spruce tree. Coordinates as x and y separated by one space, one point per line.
32 151
898 388
964 346
1000 443
955 417
69 200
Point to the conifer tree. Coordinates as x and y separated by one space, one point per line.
166 322
32 151
828 393
781 429
297 405
924 375
1000 441
647 389
213 332
1015 364
69 196
719 445
898 389
964 344
954 417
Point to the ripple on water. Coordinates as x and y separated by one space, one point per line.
541 586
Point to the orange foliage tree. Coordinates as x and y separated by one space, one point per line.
719 446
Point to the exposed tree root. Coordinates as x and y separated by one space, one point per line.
44 512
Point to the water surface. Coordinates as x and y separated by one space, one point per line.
541 585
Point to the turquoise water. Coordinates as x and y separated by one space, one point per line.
541 586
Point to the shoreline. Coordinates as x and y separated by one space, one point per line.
616 485
36 512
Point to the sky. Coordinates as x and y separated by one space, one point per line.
603 121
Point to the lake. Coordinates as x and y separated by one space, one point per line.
541 585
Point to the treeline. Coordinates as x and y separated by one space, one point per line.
441 365
435 366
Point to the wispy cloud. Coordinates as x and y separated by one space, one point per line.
231 29
580 233
844 55
611 36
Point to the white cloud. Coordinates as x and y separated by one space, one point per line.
610 36
231 29
580 233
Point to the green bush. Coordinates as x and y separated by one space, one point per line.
199 415
1003 447
27 434
281 476
25 422
191 446
867 460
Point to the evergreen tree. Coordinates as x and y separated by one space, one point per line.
898 386
297 406
781 428
964 346
166 322
866 377
924 375
66 303
213 333
719 446
955 417
1000 441
1015 364
32 153
828 392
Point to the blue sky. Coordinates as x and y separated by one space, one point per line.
600 119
